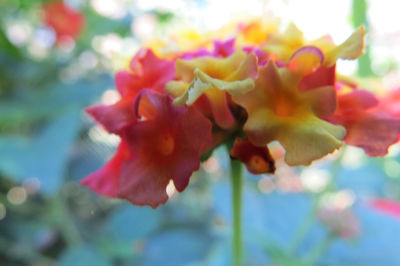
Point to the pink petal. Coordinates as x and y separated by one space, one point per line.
374 132
224 48
368 125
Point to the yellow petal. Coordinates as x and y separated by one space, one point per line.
203 83
176 88
219 68
285 44
351 48
310 140
305 138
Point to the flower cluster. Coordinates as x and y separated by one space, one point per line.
246 85
64 20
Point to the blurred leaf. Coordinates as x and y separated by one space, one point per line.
176 247
54 100
130 223
43 156
83 256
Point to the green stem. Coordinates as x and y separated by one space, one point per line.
304 228
308 221
237 186
62 217
360 16
319 250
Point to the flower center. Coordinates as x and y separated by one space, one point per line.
165 144
283 108
258 164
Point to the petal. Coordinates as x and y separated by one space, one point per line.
220 109
203 82
177 89
113 117
374 132
322 76
224 48
168 146
352 48
194 54
306 59
235 82
305 138
391 102
310 140
357 100
147 71
188 163
322 100
219 68
283 45
127 83
369 126
258 160
105 181
257 31
267 85
141 185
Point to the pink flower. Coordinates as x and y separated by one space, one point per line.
386 206
368 125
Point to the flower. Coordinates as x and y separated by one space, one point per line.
147 71
278 110
386 206
341 222
164 143
245 86
213 77
284 45
258 160
65 21
368 124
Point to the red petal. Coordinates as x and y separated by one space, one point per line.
142 185
113 117
321 77
106 180
181 173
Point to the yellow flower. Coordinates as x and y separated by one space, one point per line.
278 110
213 77
285 45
